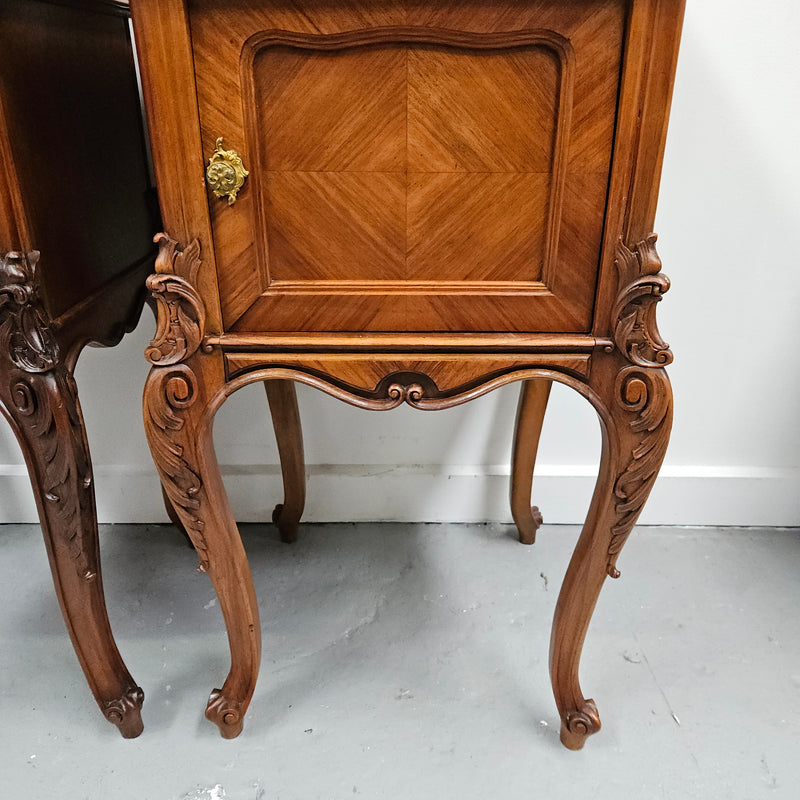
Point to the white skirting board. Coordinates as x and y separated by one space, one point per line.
735 496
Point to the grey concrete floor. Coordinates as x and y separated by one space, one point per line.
410 661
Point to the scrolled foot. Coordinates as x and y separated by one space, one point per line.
579 724
126 713
225 714
527 532
287 528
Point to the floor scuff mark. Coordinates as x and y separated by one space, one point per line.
631 659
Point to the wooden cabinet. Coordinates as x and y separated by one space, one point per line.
413 202
76 224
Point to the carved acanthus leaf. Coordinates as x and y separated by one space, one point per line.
180 310
46 406
169 394
646 394
25 333
641 286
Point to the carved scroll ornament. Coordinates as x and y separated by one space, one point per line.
645 393
180 312
641 388
25 333
170 392
584 721
642 284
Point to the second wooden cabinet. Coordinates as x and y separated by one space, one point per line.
408 202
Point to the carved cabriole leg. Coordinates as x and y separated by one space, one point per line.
633 397
178 424
532 404
181 395
40 401
282 399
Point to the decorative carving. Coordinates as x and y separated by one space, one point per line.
642 388
180 310
646 394
399 393
224 713
642 285
169 393
124 712
225 173
25 333
44 406
579 724
417 389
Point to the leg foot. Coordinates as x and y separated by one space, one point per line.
578 725
225 714
532 404
287 526
125 713
282 400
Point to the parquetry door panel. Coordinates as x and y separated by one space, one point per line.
409 169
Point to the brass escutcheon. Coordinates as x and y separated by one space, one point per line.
225 173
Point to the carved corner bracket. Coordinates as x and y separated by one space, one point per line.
642 285
180 312
642 387
26 335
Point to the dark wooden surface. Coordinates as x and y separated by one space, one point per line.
371 254
77 216
72 117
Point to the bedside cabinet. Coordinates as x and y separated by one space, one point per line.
77 215
408 202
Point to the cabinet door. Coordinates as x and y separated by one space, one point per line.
412 166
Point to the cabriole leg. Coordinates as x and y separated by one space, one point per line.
39 398
43 411
178 427
635 406
282 400
179 406
533 396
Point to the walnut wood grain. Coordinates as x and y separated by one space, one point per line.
443 198
491 209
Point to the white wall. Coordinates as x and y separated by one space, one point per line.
728 222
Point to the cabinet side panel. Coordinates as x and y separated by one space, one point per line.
75 131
